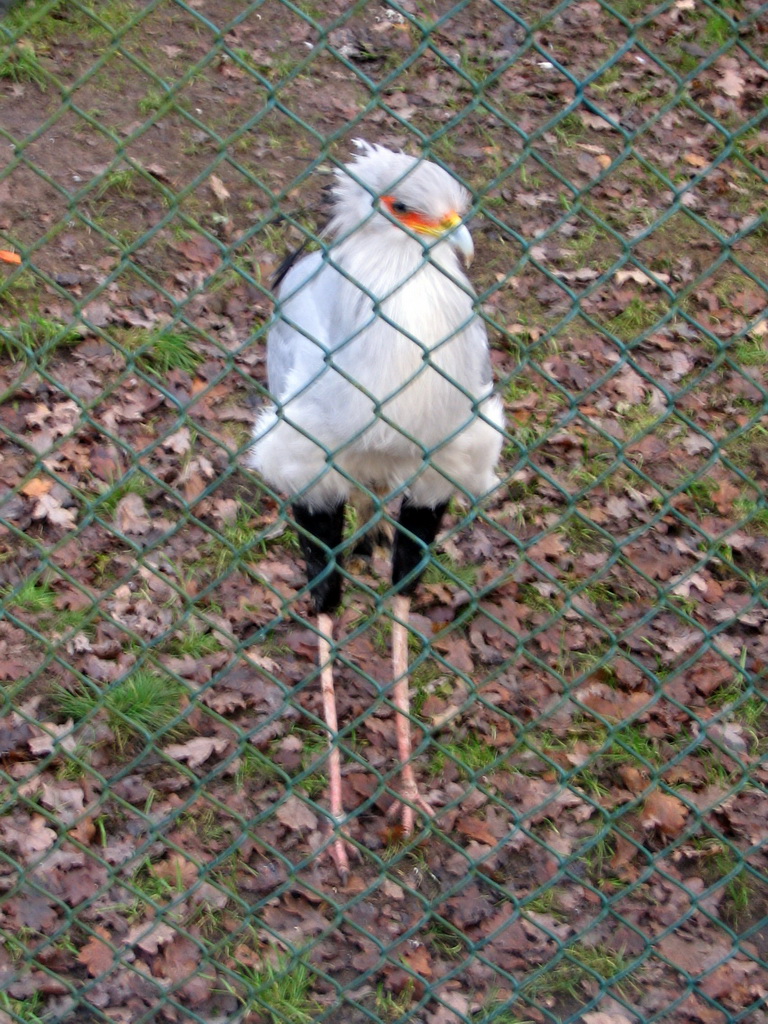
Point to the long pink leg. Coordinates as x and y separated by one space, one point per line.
325 633
402 609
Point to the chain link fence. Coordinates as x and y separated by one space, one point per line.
589 651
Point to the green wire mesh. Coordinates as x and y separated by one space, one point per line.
589 651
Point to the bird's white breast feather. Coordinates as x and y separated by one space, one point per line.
379 370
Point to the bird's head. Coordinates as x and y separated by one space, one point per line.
396 197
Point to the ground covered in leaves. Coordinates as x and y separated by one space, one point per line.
589 652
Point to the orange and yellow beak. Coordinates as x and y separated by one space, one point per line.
450 227
9 257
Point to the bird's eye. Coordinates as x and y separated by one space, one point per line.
398 207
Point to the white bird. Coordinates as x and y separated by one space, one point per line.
381 378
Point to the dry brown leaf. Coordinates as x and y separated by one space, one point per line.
159 172
605 1018
65 799
295 814
179 963
392 890
624 854
97 955
633 777
131 515
689 955
476 829
631 385
200 250
176 869
218 188
84 831
418 959
695 581
197 750
664 812
551 545
178 442
725 497
633 274
731 83
98 313
209 895
612 704
150 936
453 1008
38 486
39 415
262 661
50 508
32 839
595 121
179 960
695 159
53 736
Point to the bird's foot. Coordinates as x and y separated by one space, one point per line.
339 852
411 800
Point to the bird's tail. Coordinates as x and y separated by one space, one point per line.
380 532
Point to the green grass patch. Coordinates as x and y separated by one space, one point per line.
638 420
545 901
275 66
472 755
36 599
143 704
537 601
630 8
34 595
755 513
20 63
123 181
717 30
313 756
279 991
133 483
720 861
581 535
394 1007
158 352
253 765
43 21
237 541
577 969
477 66
745 451
751 351
443 569
29 1011
447 940
36 339
569 129
639 316
701 492
496 1011
194 641
740 698
630 744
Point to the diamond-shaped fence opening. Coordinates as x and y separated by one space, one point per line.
587 649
